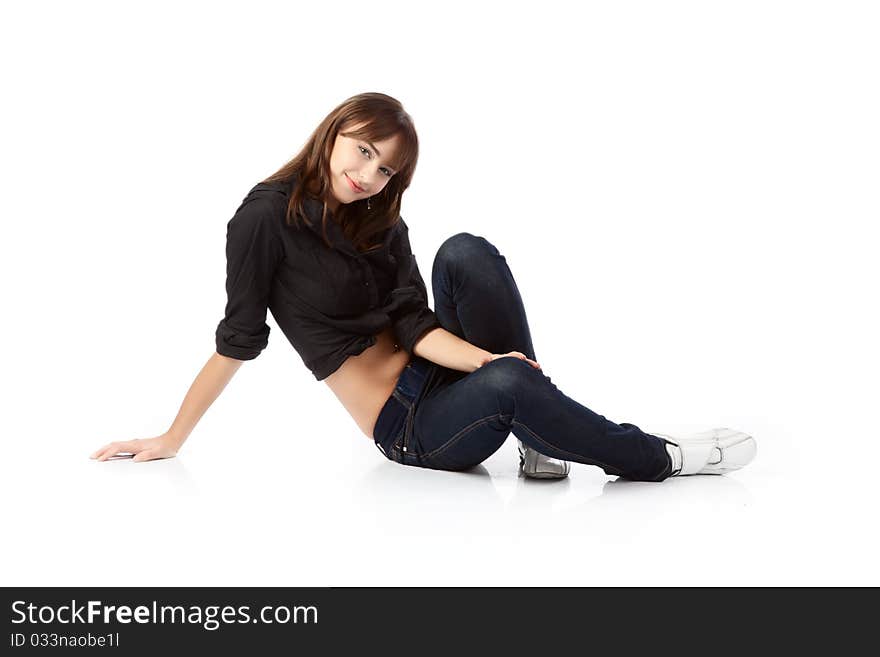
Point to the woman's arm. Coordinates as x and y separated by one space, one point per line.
444 348
447 349
210 382
208 385
253 253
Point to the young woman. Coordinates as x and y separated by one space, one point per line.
322 245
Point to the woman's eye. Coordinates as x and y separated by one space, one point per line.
367 152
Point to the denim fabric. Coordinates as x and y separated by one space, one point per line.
445 419
395 420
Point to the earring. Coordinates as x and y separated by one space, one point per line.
368 202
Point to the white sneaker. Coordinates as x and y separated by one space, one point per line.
715 451
540 466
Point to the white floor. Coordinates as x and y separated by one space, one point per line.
276 514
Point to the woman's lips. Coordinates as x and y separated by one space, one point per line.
352 184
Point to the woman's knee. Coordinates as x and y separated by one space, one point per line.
462 248
508 375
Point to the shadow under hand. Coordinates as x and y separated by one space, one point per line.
148 473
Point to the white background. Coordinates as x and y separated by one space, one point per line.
687 195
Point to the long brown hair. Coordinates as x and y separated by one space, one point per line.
383 117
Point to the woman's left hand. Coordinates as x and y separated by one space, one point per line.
514 354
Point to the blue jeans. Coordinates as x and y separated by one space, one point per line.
446 419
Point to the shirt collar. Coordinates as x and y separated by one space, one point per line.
313 208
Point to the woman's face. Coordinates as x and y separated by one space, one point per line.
365 164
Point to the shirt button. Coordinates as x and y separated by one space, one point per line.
367 284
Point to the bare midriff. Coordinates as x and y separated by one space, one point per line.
363 383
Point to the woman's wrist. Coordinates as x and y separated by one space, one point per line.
482 358
175 438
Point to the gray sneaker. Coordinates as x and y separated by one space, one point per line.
540 466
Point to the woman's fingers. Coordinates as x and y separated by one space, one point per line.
97 454
514 354
98 451
142 449
527 359
115 448
110 451
104 452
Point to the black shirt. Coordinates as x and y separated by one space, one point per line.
329 302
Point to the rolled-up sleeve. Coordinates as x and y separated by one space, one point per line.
253 252
408 307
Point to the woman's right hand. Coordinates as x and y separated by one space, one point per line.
514 354
144 449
